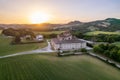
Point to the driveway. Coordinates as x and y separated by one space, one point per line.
46 49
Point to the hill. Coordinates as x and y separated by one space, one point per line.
109 24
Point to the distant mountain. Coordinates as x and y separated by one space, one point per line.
37 27
68 25
109 24
74 22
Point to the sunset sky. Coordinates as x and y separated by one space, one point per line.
59 11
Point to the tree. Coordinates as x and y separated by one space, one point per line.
78 34
17 34
83 50
107 52
53 35
8 32
113 53
98 49
111 47
103 46
109 39
118 54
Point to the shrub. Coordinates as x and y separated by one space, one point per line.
83 50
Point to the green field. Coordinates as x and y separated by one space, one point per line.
101 32
6 48
0 31
49 32
51 67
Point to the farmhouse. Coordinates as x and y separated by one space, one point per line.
39 38
66 41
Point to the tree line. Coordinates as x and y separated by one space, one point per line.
104 38
108 50
110 38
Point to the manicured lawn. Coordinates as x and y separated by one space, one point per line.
6 48
50 67
101 32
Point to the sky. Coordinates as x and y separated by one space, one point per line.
60 11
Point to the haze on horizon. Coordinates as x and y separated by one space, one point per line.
60 11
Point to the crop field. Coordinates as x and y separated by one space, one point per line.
49 32
6 48
50 67
101 32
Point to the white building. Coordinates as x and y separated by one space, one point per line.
66 41
39 37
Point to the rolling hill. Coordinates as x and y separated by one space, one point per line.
109 24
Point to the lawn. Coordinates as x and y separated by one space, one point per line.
101 32
6 48
50 67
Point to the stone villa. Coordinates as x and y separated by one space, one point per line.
66 41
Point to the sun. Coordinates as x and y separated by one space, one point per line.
39 17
